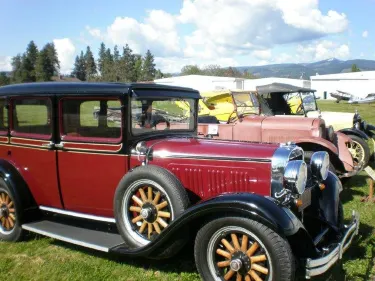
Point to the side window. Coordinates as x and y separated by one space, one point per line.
91 120
3 117
31 117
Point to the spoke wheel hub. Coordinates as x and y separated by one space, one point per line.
149 212
4 211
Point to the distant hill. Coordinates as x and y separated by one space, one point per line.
295 70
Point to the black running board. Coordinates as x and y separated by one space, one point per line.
93 239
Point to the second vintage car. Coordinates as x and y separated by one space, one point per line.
240 115
146 185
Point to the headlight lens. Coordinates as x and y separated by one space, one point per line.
295 176
320 165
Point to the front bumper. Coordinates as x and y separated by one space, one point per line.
319 266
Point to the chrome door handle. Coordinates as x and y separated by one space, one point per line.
59 145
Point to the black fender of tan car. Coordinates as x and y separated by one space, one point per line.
248 205
353 131
20 190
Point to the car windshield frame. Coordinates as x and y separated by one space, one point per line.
189 113
251 96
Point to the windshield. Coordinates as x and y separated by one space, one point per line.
159 114
301 103
246 103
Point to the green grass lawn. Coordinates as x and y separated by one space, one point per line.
42 258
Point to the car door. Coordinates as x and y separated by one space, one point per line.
91 158
29 149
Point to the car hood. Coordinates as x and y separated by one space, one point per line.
338 120
211 149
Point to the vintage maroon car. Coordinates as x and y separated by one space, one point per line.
240 115
146 184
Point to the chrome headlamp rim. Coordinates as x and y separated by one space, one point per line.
320 165
295 176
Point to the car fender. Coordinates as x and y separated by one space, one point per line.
352 131
20 190
337 158
249 205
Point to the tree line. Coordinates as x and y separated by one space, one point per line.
215 70
115 65
112 65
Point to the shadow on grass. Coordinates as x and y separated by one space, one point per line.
183 261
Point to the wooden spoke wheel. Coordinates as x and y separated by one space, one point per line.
237 254
147 210
360 150
357 151
7 213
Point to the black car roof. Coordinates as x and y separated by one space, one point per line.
96 88
281 88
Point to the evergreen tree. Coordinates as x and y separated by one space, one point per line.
138 67
44 69
108 73
148 67
26 66
79 70
90 65
355 68
117 71
31 57
53 58
101 59
159 74
128 61
4 79
16 69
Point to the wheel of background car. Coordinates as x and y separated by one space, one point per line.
10 227
308 155
147 200
236 248
359 150
160 119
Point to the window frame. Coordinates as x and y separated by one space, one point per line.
161 132
5 131
83 139
12 111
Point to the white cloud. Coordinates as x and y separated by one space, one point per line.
157 33
365 34
243 25
322 50
219 30
5 63
94 32
66 52
262 54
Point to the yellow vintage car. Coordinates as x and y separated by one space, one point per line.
222 105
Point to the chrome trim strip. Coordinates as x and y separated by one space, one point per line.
167 154
78 215
65 239
321 265
280 158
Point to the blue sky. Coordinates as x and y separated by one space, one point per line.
225 32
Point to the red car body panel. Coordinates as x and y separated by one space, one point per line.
37 166
210 177
280 129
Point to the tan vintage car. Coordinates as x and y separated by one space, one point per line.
285 99
240 115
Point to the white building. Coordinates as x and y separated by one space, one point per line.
251 84
204 83
357 83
